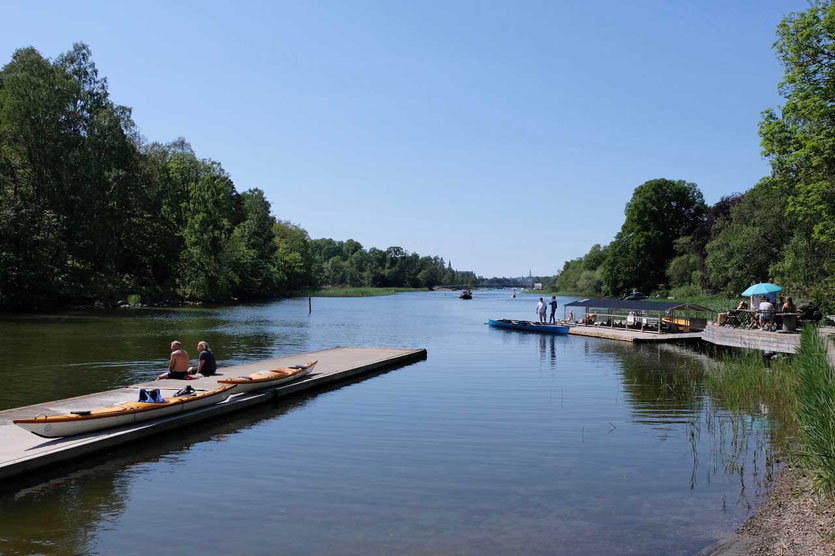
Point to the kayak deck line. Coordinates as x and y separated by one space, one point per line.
22 452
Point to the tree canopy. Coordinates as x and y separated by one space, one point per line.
782 228
89 211
659 212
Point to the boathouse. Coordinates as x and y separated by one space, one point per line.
641 315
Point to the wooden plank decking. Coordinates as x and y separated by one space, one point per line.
751 339
22 451
635 336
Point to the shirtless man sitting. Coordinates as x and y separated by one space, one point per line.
178 365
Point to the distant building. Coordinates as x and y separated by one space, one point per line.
537 286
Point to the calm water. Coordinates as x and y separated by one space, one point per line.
500 442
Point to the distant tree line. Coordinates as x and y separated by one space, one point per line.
90 211
783 228
347 263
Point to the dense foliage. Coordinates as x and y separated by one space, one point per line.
347 263
783 228
91 212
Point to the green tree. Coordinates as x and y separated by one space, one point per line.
207 263
685 268
293 254
659 212
799 140
255 249
751 239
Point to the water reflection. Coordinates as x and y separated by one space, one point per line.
500 442
60 510
57 356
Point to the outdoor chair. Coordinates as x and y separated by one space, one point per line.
733 319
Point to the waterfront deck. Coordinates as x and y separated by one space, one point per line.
22 451
751 339
635 336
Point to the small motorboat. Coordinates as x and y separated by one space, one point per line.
466 294
268 378
529 326
80 422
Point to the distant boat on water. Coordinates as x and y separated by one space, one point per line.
466 294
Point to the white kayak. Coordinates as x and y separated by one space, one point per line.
268 378
80 422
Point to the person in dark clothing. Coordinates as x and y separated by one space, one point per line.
206 363
553 305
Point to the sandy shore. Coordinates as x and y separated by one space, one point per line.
792 521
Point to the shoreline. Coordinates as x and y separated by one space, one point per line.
792 520
171 303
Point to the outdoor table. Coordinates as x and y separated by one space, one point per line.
790 321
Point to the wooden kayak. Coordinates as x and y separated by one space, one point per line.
268 378
80 422
529 326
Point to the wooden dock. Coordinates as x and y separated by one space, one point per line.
717 335
751 339
635 336
22 451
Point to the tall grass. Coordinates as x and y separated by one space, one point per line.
816 410
798 394
744 381
359 292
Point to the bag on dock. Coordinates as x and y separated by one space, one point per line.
150 396
187 391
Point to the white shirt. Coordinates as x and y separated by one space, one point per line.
766 306
541 307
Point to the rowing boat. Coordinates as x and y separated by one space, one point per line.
80 422
529 326
268 378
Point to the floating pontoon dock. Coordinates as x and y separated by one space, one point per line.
22 451
634 336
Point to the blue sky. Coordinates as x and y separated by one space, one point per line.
505 136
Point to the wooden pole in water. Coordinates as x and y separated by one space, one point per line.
309 305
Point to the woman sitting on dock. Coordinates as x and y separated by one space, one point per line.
206 363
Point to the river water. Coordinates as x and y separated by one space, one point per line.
500 442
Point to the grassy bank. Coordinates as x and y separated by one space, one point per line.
798 394
357 292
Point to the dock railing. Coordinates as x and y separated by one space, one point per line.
659 322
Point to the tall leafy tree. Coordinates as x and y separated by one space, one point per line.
659 212
294 257
255 249
206 269
799 140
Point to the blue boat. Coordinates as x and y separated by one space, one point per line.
529 326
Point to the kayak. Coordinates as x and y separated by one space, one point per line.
529 326
268 378
80 422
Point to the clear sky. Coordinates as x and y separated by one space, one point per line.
505 136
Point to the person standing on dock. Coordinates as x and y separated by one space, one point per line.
542 310
553 304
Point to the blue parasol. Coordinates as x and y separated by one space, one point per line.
761 289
